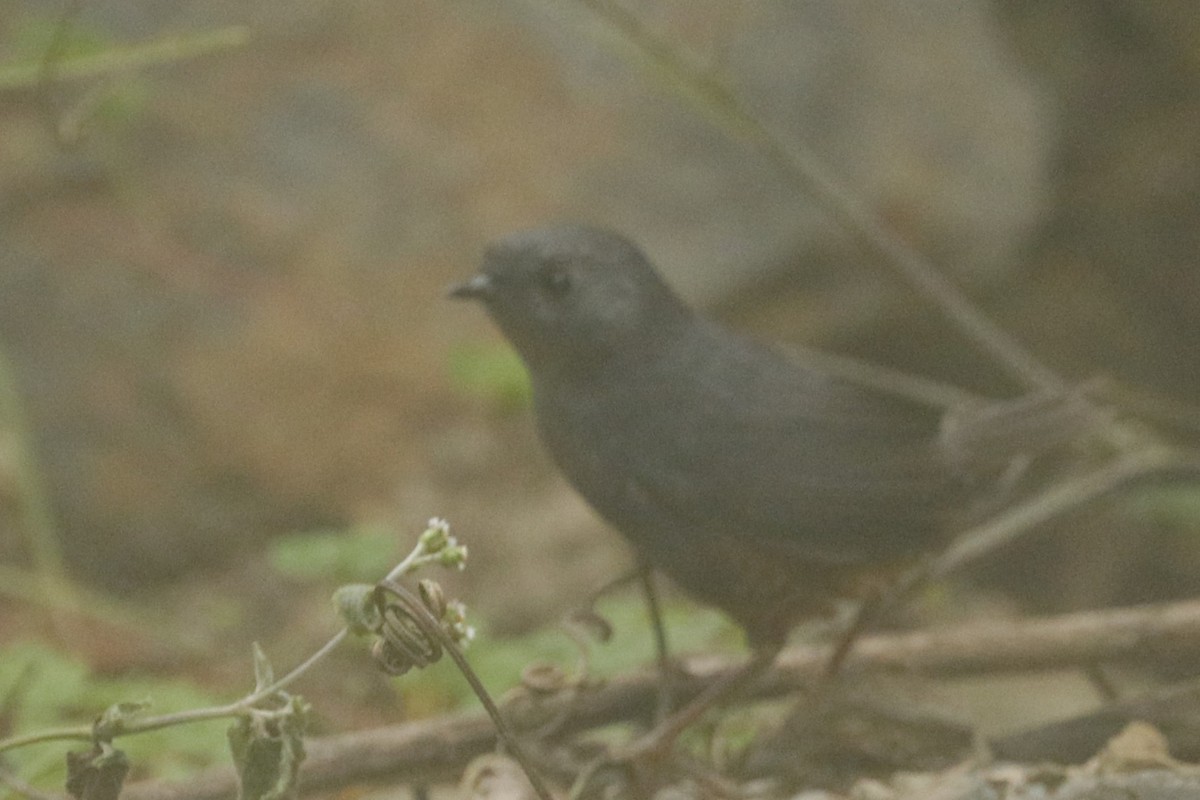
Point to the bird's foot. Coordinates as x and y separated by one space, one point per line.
652 759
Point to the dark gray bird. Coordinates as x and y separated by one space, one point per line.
761 486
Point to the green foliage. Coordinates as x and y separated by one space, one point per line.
491 372
267 749
80 54
31 39
355 604
98 773
47 689
351 555
1173 506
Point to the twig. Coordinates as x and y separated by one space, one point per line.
1144 464
138 725
167 50
439 748
802 167
432 627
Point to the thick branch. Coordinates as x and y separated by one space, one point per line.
441 747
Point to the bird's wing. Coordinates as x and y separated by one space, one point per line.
760 448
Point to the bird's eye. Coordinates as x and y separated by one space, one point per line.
556 280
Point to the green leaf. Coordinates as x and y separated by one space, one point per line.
1175 506
268 749
360 554
97 774
355 604
493 373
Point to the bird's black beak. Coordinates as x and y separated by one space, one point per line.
477 288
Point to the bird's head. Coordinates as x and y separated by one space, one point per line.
570 296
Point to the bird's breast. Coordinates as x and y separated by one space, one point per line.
591 433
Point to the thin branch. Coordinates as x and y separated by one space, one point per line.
432 628
125 58
237 707
439 748
1144 464
805 170
146 724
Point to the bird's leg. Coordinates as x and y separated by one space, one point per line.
659 740
643 573
863 616
877 598
666 674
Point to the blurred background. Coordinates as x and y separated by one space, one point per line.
230 374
